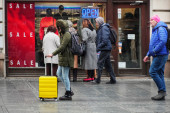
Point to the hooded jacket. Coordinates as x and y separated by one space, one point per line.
157 45
102 41
66 58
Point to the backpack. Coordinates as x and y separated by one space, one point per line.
76 46
168 39
113 37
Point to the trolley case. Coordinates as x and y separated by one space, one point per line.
48 87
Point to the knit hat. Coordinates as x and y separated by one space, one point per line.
156 18
100 20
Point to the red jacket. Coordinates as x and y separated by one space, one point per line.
45 22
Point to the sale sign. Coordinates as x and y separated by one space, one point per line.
21 34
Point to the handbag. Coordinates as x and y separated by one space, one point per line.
84 47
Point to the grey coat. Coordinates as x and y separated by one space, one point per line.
90 58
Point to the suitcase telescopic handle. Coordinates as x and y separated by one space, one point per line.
51 66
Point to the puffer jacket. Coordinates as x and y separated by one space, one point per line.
66 58
157 45
102 41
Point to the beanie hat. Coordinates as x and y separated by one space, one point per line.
156 18
100 20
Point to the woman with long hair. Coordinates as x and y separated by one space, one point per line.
90 58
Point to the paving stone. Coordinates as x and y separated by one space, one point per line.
127 96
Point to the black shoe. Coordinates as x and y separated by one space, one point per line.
75 80
95 82
67 96
111 82
72 93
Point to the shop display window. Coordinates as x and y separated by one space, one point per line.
27 23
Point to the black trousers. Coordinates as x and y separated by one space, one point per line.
104 60
48 68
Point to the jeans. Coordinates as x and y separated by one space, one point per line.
104 60
156 71
63 74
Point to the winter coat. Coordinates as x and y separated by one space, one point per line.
90 58
157 45
51 42
102 41
66 58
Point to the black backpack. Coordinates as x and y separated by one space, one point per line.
113 37
76 46
168 39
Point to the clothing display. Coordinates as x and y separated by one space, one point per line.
44 23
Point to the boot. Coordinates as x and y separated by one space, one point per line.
72 93
67 96
161 96
74 75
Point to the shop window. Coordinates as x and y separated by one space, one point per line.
26 28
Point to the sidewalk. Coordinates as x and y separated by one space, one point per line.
20 95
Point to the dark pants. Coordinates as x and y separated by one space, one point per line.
48 67
90 73
104 60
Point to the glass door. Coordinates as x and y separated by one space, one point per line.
129 35
131 23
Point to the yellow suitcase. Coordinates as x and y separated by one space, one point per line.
48 87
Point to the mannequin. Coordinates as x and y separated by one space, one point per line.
61 14
46 22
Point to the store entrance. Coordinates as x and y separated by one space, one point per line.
130 25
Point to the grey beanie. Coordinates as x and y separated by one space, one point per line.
100 20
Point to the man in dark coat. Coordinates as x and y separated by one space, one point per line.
104 46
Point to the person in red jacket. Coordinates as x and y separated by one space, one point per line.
46 22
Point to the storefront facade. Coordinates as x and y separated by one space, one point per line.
27 20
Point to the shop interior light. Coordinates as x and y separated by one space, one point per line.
137 3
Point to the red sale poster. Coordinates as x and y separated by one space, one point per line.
21 34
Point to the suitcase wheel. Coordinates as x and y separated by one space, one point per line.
55 99
42 99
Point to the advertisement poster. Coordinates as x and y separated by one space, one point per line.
21 34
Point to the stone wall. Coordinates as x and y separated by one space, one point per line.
167 68
2 39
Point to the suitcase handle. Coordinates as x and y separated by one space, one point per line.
51 66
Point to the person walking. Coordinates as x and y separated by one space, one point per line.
51 42
66 58
104 46
159 52
90 58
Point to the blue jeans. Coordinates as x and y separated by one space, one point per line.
156 71
63 74
104 60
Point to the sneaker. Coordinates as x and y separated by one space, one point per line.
87 79
95 82
161 96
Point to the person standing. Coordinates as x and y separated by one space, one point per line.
66 58
90 58
159 52
51 42
104 46
73 32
